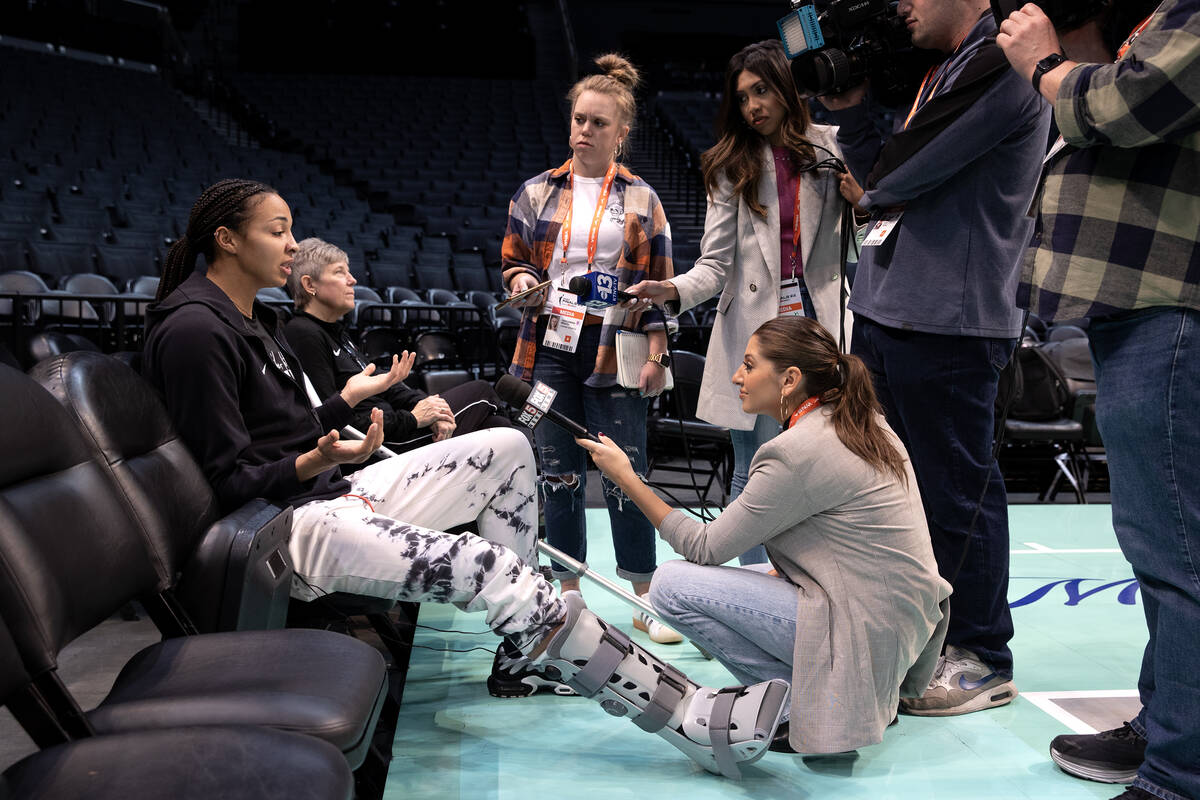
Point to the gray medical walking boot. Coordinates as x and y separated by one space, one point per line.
719 729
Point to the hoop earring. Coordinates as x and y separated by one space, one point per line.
783 413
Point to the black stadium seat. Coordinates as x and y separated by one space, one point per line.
61 259
122 263
69 570
13 255
177 763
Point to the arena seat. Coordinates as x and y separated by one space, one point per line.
673 421
228 573
69 570
254 762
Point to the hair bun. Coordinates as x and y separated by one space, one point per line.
619 69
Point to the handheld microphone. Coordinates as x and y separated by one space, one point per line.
597 290
534 402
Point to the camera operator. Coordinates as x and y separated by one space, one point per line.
1117 242
935 318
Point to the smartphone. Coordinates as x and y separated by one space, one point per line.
520 295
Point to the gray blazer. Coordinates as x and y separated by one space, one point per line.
739 257
871 609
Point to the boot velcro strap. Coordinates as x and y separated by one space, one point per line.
611 650
671 687
718 731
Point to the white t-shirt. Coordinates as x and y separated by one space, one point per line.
609 243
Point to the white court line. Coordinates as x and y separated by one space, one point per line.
1046 702
1043 550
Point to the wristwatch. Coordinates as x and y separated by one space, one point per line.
1045 65
662 359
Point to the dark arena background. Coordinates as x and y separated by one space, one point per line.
399 131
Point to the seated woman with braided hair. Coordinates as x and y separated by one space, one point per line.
851 608
233 389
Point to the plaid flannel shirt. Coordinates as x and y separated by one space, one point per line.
1119 222
535 217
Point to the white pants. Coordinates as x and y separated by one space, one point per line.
388 542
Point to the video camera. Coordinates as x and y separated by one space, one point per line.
852 41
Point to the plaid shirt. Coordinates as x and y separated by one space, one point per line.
535 218
1119 222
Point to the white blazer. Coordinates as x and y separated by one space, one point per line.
740 258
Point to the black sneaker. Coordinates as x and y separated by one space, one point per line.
779 742
1108 757
514 676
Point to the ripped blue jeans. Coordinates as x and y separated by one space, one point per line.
619 414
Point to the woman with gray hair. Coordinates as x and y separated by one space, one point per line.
323 289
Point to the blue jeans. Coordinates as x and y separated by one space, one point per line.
939 393
744 617
1147 389
745 445
621 415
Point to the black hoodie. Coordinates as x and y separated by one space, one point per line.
329 357
244 419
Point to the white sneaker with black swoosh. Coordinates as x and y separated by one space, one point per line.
962 684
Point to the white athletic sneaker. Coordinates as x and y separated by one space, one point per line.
658 632
962 684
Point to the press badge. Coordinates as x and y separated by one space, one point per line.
790 304
882 228
566 321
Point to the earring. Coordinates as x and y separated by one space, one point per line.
783 414
313 292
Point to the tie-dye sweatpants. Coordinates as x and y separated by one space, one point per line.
385 538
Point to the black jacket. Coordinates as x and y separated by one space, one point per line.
330 358
244 419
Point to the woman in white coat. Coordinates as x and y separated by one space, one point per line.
772 239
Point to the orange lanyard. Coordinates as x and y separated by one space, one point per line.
601 205
917 101
805 407
921 91
1136 33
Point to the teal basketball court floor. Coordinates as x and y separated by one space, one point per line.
1079 639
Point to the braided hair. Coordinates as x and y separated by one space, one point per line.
224 204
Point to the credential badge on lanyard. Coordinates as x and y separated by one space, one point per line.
566 312
883 227
790 302
565 323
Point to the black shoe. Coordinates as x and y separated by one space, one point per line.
514 676
780 743
1108 757
1134 793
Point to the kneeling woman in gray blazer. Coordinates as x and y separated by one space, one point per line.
851 608
772 243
